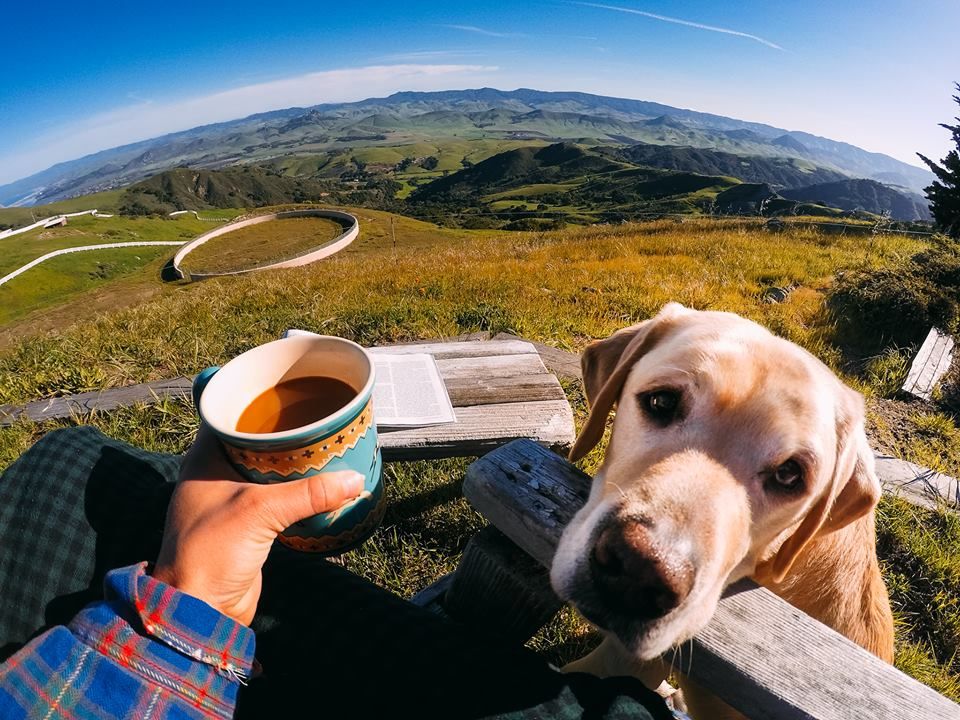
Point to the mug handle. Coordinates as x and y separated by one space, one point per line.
200 382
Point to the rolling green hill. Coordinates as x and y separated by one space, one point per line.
461 115
779 172
524 166
866 195
239 187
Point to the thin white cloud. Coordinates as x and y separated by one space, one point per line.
678 21
420 55
146 120
483 31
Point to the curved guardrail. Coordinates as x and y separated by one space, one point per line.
323 251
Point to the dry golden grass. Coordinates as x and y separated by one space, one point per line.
262 244
563 288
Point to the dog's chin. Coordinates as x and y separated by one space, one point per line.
643 640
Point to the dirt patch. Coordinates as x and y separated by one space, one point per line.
889 423
59 232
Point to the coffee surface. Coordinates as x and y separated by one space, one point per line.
295 403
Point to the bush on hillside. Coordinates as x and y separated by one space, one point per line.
899 305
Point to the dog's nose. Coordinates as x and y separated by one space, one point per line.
636 575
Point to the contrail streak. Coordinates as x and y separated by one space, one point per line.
678 21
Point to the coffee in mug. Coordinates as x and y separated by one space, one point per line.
296 407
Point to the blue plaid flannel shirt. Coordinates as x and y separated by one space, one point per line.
145 651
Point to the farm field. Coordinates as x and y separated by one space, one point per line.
562 288
88 230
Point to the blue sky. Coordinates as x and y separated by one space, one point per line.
85 76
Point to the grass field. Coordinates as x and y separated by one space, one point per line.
67 275
87 230
21 216
562 288
56 282
262 244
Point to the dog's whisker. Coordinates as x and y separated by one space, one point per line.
682 371
619 489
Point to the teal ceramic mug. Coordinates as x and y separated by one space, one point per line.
345 439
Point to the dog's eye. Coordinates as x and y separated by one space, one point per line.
661 406
788 476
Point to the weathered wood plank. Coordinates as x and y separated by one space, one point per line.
481 428
448 351
484 364
493 390
527 494
931 363
787 666
563 363
791 667
472 390
99 400
492 366
918 485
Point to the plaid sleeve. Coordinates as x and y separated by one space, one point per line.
146 650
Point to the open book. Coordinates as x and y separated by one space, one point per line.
409 391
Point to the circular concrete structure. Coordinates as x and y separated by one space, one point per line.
332 247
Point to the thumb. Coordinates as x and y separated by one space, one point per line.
288 502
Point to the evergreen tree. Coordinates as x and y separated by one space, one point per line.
944 193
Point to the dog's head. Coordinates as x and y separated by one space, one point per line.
730 451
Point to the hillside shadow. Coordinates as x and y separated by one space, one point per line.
168 273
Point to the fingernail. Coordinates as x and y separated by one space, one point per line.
353 483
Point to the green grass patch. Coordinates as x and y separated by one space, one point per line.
563 287
55 281
15 217
532 190
920 550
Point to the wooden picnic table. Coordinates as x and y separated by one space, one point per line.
764 657
500 391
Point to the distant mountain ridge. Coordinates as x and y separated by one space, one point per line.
408 117
866 195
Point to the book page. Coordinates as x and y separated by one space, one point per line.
409 391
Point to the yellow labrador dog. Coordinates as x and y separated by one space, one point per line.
734 453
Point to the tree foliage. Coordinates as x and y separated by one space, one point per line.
944 192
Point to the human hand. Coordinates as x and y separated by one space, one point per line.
220 528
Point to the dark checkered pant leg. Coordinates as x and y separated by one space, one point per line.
78 504
74 506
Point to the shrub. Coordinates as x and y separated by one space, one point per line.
898 305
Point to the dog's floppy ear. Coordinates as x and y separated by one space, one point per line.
854 491
606 364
